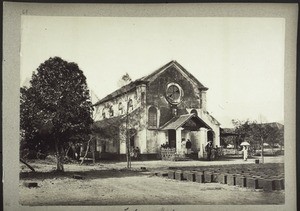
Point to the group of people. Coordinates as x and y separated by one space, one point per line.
186 146
135 152
212 152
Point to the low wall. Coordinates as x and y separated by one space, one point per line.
168 153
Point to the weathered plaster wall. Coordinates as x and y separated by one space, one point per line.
155 139
148 139
195 137
136 117
111 146
156 91
135 95
203 141
141 141
152 141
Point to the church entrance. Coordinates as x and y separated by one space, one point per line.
210 136
172 138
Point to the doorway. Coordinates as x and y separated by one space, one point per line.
172 138
210 135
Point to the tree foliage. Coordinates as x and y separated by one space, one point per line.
56 107
257 134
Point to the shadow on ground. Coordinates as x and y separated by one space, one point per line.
92 174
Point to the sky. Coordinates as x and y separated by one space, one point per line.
240 60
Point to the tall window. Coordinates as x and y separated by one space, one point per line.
201 100
111 111
130 105
143 98
103 113
152 117
121 108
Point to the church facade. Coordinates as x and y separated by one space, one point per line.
166 107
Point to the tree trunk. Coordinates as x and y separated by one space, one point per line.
29 166
74 151
94 159
93 149
86 152
68 151
262 150
59 157
272 149
128 158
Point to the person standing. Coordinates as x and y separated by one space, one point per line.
138 152
208 149
188 146
245 152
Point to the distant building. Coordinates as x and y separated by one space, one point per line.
274 124
165 107
229 136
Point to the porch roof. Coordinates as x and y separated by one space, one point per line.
182 120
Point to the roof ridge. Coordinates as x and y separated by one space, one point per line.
142 79
128 87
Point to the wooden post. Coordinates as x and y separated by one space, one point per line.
29 166
86 152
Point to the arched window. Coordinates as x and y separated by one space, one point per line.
130 105
143 98
103 113
152 117
121 108
194 111
201 101
111 111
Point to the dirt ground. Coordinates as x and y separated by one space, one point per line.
108 183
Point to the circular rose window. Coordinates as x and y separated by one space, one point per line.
174 93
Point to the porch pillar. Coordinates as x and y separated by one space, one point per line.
178 140
202 141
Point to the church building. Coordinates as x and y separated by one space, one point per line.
163 108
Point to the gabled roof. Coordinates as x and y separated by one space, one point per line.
179 121
147 79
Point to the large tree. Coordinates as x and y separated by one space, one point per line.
258 134
56 106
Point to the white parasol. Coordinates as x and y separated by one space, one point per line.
245 143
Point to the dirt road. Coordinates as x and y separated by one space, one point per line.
107 184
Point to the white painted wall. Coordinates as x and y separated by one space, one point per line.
195 137
178 140
203 141
141 141
122 147
211 122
